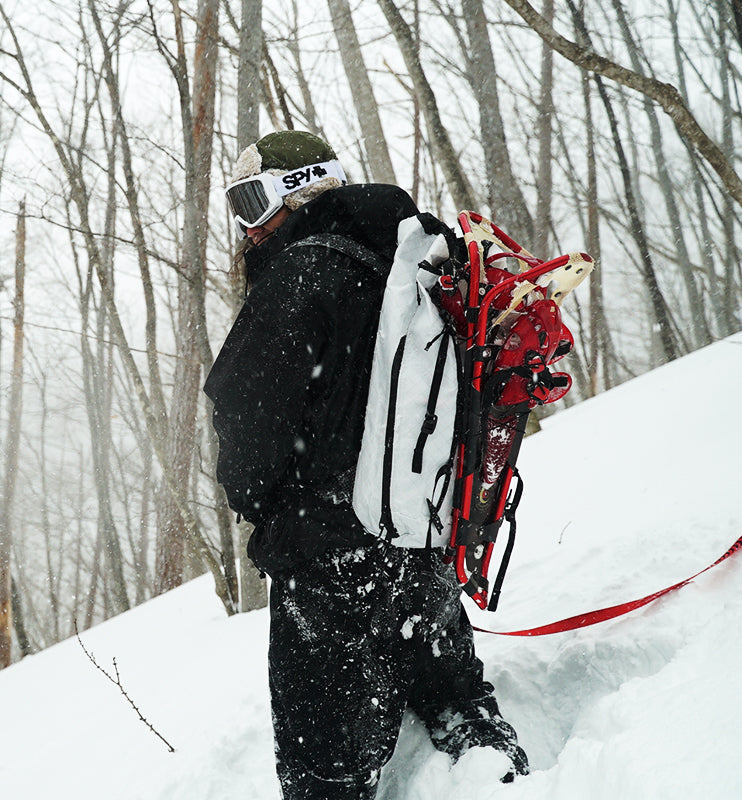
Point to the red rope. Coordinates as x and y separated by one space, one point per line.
603 614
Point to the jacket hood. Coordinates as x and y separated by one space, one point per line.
367 213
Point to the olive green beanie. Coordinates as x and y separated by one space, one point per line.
284 151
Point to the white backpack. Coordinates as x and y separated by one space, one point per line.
403 485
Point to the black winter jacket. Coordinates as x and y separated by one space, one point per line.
290 384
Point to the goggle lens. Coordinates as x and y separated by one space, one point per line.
249 202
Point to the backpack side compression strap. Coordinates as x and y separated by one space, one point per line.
431 420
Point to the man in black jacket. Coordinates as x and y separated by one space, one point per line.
360 630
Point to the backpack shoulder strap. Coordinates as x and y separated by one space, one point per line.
346 246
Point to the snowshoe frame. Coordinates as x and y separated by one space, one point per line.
481 505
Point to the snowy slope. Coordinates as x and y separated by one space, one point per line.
644 492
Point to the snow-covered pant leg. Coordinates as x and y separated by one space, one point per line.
337 696
454 701
356 636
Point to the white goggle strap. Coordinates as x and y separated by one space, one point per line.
297 179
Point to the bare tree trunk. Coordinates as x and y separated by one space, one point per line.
77 581
367 111
252 45
97 380
593 242
51 578
249 88
197 114
253 592
248 575
273 76
19 625
270 103
458 184
600 340
543 126
95 572
731 293
504 196
12 442
95 389
140 556
309 111
416 121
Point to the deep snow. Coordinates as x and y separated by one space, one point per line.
625 494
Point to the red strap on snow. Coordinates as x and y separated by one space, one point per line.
603 614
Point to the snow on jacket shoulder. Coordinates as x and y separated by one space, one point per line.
290 383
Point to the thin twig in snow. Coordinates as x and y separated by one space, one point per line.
117 681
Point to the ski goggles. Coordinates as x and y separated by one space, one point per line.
253 201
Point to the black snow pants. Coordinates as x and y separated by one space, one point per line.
357 636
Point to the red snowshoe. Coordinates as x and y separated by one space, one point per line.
510 328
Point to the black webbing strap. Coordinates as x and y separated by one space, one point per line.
433 226
509 515
431 419
434 520
348 247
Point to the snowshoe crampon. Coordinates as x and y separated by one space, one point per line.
510 327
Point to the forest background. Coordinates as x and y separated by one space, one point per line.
611 127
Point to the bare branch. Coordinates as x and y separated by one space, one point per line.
117 682
665 94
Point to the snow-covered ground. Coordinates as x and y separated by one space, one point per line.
625 494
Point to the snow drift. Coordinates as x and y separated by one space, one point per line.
643 493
